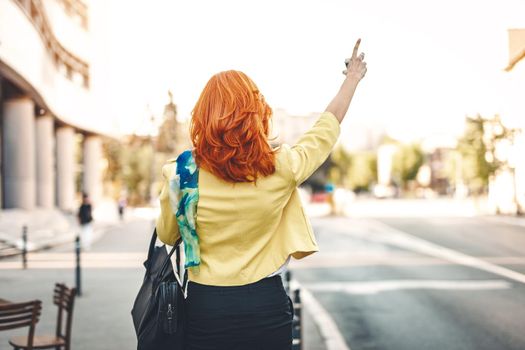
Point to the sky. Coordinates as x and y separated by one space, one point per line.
430 63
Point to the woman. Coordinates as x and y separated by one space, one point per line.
246 220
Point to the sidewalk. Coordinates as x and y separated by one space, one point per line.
507 219
44 227
102 318
47 228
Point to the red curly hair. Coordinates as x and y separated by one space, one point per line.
230 126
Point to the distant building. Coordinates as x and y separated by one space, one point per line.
288 128
385 158
507 188
439 150
173 137
46 105
516 50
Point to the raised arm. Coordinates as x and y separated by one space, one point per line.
314 146
356 70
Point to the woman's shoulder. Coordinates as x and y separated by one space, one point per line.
282 159
169 168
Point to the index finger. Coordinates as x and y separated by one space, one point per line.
356 48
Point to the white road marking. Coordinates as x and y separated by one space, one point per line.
371 258
402 239
374 287
332 337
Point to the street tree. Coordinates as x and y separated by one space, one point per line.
353 170
479 148
406 163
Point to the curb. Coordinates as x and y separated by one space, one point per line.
331 336
13 246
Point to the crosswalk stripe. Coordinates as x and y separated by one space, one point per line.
374 287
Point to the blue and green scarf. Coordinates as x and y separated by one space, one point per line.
184 196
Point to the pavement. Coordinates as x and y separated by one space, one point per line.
112 273
47 228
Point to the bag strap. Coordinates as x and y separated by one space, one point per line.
152 243
184 283
185 280
177 260
167 260
152 248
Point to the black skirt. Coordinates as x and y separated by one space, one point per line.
255 316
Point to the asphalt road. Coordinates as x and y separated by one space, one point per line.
420 283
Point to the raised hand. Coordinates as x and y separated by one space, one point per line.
355 65
355 71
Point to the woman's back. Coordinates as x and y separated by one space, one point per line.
248 230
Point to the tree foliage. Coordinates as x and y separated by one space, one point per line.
356 171
112 150
406 163
137 171
341 163
478 148
129 167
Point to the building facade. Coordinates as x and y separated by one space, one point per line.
507 187
46 105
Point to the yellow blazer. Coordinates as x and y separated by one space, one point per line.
247 231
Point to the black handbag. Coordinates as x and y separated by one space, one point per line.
158 310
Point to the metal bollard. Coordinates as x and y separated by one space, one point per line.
297 329
77 270
288 277
24 247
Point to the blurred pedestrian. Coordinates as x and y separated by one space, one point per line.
249 220
85 219
330 189
122 203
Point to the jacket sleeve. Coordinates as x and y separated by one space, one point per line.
167 227
313 148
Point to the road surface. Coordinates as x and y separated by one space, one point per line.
420 283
